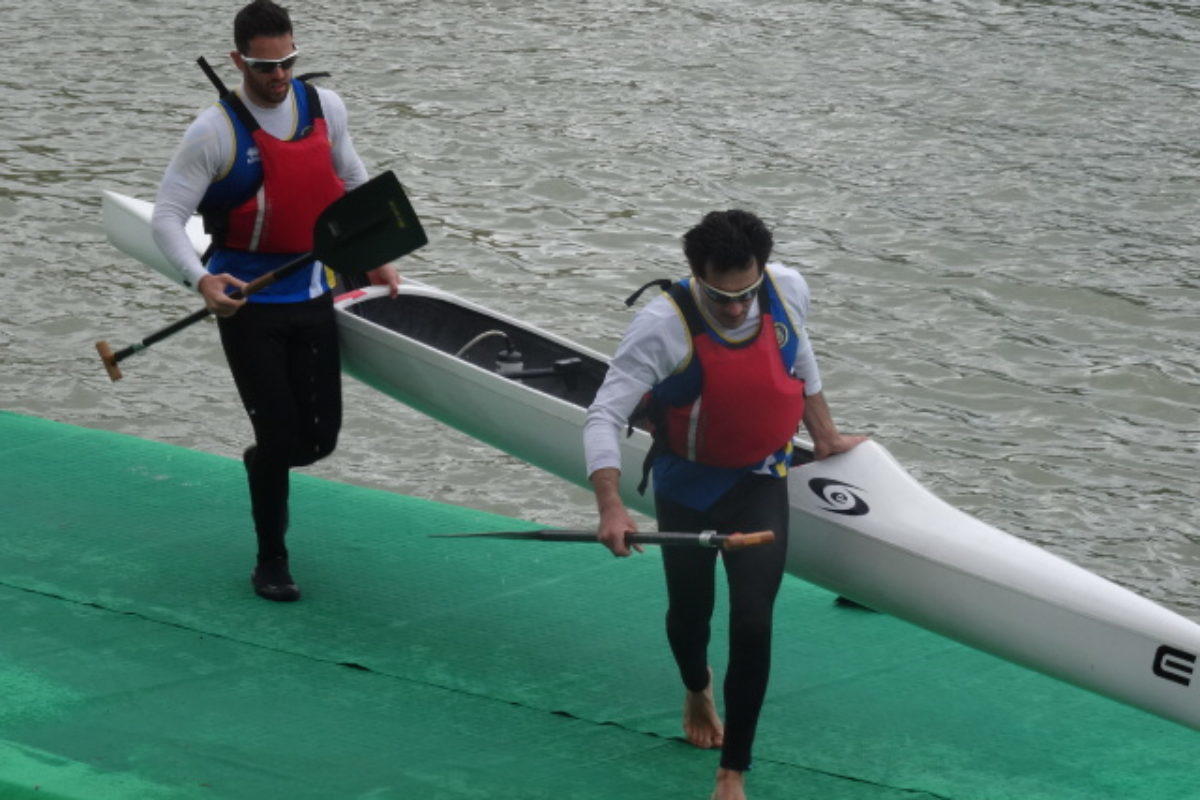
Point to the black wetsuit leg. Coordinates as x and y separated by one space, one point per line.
285 363
754 575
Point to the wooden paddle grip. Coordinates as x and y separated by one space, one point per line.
110 361
739 540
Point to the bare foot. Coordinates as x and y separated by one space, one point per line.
701 723
731 785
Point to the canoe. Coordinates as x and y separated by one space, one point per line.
861 526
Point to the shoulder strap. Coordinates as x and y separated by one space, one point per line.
222 89
650 414
243 114
239 108
682 296
648 411
314 101
661 283
235 102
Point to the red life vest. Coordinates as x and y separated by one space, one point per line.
299 183
748 405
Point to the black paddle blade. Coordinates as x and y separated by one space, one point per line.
368 227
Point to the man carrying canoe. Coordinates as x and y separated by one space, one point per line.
260 166
721 367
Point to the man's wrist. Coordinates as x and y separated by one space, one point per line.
606 484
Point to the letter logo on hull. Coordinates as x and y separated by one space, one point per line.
1174 665
840 498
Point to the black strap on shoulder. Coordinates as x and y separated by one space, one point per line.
687 306
661 283
235 102
651 415
648 412
314 101
247 119
243 114
214 224
222 89
683 299
239 108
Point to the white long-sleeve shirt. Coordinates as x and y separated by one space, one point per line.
657 345
206 154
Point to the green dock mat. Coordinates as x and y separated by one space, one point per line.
135 661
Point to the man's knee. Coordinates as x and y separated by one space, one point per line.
750 626
310 450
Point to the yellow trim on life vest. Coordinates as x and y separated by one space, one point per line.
783 304
780 468
233 144
687 334
295 111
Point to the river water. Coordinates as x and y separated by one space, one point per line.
995 204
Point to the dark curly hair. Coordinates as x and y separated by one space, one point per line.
726 241
260 18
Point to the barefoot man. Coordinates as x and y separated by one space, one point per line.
721 367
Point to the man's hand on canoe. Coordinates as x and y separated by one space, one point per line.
840 443
386 276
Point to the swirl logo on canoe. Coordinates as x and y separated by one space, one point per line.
840 498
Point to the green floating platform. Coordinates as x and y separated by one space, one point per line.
135 662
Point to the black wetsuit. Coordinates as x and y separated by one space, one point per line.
284 360
756 502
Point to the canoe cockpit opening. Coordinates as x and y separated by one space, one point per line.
511 364
509 347
493 344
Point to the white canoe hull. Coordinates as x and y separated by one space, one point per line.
860 525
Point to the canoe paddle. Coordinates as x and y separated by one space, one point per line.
361 230
725 541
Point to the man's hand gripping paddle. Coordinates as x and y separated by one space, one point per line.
363 229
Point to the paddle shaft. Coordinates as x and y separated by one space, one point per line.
256 285
367 226
725 541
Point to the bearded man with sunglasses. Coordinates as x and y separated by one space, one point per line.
721 367
260 166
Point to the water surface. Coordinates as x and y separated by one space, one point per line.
994 203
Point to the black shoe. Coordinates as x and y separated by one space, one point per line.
272 581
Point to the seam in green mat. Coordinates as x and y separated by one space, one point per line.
852 779
757 759
454 690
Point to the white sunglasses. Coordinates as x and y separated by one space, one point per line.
722 297
269 65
